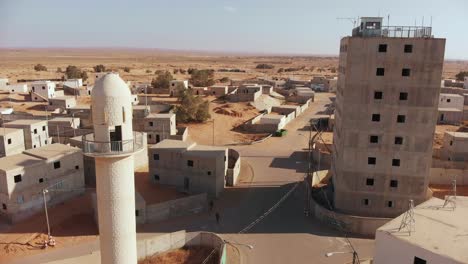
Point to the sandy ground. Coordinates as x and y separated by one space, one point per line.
193 255
439 134
441 190
153 193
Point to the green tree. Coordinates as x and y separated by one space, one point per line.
280 70
40 67
73 72
224 80
162 81
126 69
202 78
461 75
59 70
192 108
99 68
176 71
149 71
182 71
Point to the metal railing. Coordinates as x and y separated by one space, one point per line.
395 32
101 148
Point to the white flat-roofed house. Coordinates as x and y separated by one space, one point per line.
42 91
454 101
61 102
177 86
3 83
73 83
56 167
36 132
16 88
11 141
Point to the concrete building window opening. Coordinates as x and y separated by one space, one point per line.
374 139
408 48
375 117
366 202
77 167
35 131
403 96
370 182
401 119
378 95
149 135
451 142
405 72
57 165
151 123
398 140
208 172
43 87
419 260
45 142
155 156
41 180
448 100
389 204
17 178
380 72
34 146
396 162
190 163
371 160
137 213
4 206
382 47
156 177
394 183
9 141
43 128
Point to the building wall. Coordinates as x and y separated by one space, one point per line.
389 249
63 103
43 89
15 146
175 208
157 128
356 102
449 117
206 175
451 101
35 135
454 148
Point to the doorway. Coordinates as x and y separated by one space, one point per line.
116 138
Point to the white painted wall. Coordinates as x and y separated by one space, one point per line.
45 89
390 250
465 84
451 101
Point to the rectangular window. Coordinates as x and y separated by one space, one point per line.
150 123
365 202
43 128
35 131
375 117
156 177
390 204
405 72
393 183
190 163
370 182
419 261
396 162
451 142
17 178
382 47
77 167
401 118
156 156
371 160
41 180
398 140
208 172
9 141
4 206
403 96
380 72
408 48
137 213
57 165
378 95
448 100
374 139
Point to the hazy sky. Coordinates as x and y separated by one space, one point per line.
267 26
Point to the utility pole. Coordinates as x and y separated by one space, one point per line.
44 191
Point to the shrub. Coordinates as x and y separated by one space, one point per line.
280 70
73 72
202 77
182 71
40 67
224 79
264 66
59 70
176 71
162 81
149 71
461 75
99 68
192 108
126 69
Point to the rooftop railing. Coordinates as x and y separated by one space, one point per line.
110 148
395 32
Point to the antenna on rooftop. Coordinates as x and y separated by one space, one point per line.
351 19
408 222
451 199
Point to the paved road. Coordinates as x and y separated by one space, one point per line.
285 235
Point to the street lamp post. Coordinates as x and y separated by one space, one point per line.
44 191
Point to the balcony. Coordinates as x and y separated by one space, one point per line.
394 32
112 148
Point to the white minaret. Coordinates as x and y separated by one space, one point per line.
113 146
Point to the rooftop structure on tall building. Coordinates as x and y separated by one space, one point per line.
113 146
386 109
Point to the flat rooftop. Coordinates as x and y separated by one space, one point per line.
273 116
59 98
449 110
443 231
172 144
457 134
51 151
63 119
24 122
6 130
450 95
18 161
166 115
206 151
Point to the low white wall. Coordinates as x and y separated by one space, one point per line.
178 207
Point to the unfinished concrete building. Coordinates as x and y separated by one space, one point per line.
11 141
386 109
23 177
36 132
190 167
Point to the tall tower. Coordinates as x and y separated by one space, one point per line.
386 111
113 146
